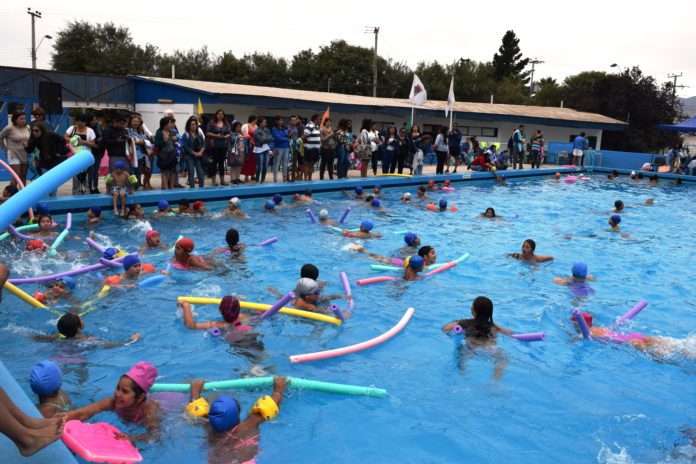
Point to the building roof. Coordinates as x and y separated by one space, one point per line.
502 110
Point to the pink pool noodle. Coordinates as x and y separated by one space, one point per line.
449 265
98 443
358 346
346 287
18 180
632 312
397 261
278 305
447 189
269 241
375 280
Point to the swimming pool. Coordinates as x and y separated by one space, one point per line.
562 400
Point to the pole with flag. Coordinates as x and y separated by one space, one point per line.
200 110
324 117
418 96
450 103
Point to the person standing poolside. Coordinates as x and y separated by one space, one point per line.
454 139
237 153
281 149
194 148
218 136
328 149
527 255
263 139
14 139
518 143
311 138
580 144
537 145
249 166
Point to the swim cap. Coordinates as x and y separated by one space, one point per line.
358 190
120 165
378 187
431 182
186 243
616 219
376 203
130 261
415 262
95 210
306 286
407 195
110 253
150 233
36 245
235 201
270 204
229 308
367 225
69 282
447 181
224 413
163 205
580 270
197 204
323 214
587 317
443 204
277 198
410 238
42 208
143 374
45 378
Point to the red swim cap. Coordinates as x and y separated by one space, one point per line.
36 245
587 317
186 243
150 233
197 204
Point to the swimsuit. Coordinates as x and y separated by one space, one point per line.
123 190
64 407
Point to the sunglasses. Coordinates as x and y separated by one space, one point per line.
36 131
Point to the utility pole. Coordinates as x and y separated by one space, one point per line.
531 76
374 30
34 15
674 88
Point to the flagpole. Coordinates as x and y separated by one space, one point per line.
451 121
413 108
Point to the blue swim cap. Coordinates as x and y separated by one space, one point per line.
120 165
277 198
96 210
376 203
45 378
69 282
224 413
110 252
443 204
358 190
163 205
130 261
367 225
270 204
42 208
415 262
378 187
580 270
616 219
410 238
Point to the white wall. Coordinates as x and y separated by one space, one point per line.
152 113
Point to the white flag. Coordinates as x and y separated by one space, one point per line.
450 98
418 95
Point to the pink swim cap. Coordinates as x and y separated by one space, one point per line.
150 233
143 374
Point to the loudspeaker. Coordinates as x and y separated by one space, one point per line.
51 97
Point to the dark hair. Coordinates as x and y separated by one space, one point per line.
259 120
342 125
308 193
232 238
139 130
184 202
615 173
582 134
120 117
639 175
278 119
390 129
482 323
69 324
38 111
443 130
39 217
16 116
251 118
11 189
189 121
309 271
366 124
491 210
235 124
424 250
618 203
315 116
164 121
531 242
137 389
220 111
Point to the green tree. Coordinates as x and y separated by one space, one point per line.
188 64
508 61
550 93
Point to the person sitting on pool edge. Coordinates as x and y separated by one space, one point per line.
229 309
366 227
230 439
184 260
45 381
233 209
152 242
307 296
132 270
412 266
70 326
527 255
130 402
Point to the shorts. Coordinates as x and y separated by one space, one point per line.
13 158
311 155
119 190
577 152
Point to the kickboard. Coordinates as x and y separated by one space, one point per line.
98 443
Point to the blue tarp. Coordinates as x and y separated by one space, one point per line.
686 126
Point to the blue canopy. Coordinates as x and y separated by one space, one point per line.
686 126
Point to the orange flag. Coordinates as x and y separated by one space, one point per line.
325 117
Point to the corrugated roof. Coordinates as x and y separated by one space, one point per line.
522 111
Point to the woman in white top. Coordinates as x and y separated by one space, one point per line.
13 141
441 149
376 144
83 138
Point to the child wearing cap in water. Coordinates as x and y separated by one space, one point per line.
614 222
119 179
45 231
233 209
406 197
412 241
366 227
527 255
431 187
359 193
306 196
269 207
58 290
412 266
70 326
324 218
376 204
133 269
184 260
579 275
277 199
45 381
93 216
153 241
307 296
377 191
441 207
199 208
230 438
163 209
229 310
129 401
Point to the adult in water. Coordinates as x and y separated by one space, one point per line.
183 259
527 255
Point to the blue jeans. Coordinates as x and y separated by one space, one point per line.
386 161
343 161
192 163
261 166
280 160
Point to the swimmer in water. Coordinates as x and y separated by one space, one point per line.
152 242
527 255
649 202
135 212
45 381
163 209
234 246
429 255
278 200
490 214
229 308
308 293
184 207
406 197
580 275
421 194
133 269
45 231
57 291
70 327
441 207
377 205
618 206
324 218
269 206
230 438
614 222
365 231
183 258
359 193
557 176
94 216
412 241
377 191
431 186
199 208
412 266
306 196
233 209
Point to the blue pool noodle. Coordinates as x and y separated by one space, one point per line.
345 213
47 183
583 325
151 281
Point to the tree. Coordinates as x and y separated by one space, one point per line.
188 64
508 61
550 93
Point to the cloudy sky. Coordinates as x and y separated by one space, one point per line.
569 37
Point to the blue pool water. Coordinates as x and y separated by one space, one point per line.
561 400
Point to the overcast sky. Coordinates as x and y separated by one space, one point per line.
569 37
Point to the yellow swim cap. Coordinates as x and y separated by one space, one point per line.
267 407
120 253
198 408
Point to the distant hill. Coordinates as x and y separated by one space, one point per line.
689 105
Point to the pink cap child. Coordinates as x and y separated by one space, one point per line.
143 374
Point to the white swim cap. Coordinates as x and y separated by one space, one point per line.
323 214
407 195
235 201
633 173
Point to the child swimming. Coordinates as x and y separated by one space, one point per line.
183 259
93 216
233 209
229 309
234 246
527 255
152 242
324 218
45 231
45 381
58 290
163 209
308 293
366 227
133 268
412 266
70 326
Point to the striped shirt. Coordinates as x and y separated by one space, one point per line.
313 135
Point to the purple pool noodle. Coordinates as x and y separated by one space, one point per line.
94 245
458 329
74 272
214 331
108 263
311 215
530 337
346 287
583 325
277 305
18 234
337 311
68 222
632 312
345 213
269 241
